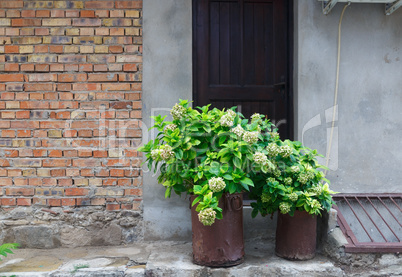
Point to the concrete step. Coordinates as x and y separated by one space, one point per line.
161 258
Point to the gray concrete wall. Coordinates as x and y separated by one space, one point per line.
367 146
167 77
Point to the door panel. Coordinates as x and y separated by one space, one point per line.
241 57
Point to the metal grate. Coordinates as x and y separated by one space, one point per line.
370 222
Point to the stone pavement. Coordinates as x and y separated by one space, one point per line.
169 258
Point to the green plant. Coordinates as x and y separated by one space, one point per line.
294 181
5 249
79 266
206 152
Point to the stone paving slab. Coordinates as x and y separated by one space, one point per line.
169 259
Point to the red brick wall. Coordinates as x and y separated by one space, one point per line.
70 105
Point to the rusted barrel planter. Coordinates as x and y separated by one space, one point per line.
221 244
296 236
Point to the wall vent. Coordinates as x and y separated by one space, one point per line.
390 5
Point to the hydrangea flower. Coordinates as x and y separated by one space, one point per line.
295 169
277 173
265 198
171 127
284 207
288 181
255 117
285 151
315 205
260 158
317 190
216 184
228 118
207 216
271 180
272 149
177 112
293 196
303 178
166 152
274 134
238 130
310 174
155 154
250 137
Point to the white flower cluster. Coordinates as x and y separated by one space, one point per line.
155 154
285 151
293 196
216 184
272 149
177 111
277 173
255 117
207 216
238 130
271 180
250 137
310 174
288 181
260 158
171 127
295 169
317 190
265 198
303 178
284 207
315 205
227 119
166 152
274 134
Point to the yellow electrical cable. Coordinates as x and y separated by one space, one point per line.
336 88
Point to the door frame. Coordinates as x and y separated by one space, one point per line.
290 66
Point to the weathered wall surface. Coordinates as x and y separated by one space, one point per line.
70 107
367 147
167 77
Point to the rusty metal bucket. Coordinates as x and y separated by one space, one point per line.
221 244
296 236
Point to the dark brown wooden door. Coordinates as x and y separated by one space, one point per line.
241 57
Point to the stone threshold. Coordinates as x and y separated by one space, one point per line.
174 258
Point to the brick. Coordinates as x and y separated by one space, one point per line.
42 58
24 201
54 133
86 163
68 202
8 202
13 13
71 67
69 4
56 22
99 4
116 87
20 191
101 49
11 49
110 77
76 192
20 22
117 40
11 77
72 13
72 59
41 31
11 4
87 40
87 31
16 58
26 49
112 207
57 40
12 67
87 22
129 58
132 32
81 182
132 4
12 32
116 49
27 163
49 191
86 49
54 202
109 192
39 4
57 13
87 13
49 77
23 134
26 40
56 162
104 59
58 172
117 22
42 13
133 13
56 49
117 173
69 78
27 31
41 49
5 22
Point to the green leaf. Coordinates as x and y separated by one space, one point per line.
168 192
247 181
232 187
254 213
179 154
215 167
207 128
197 189
196 200
228 177
237 162
222 139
